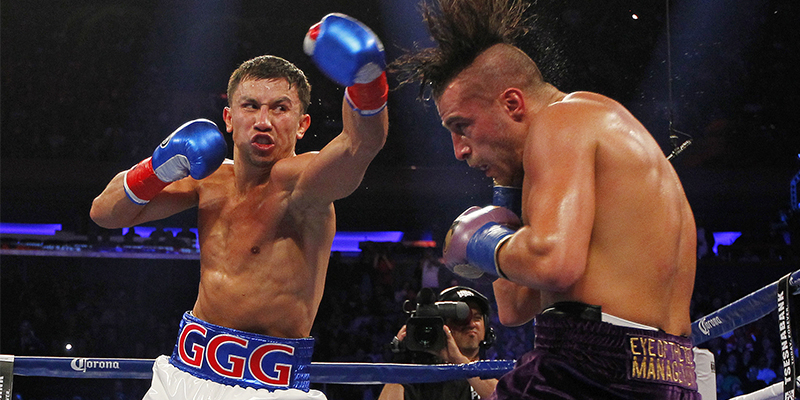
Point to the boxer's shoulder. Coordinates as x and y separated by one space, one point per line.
290 168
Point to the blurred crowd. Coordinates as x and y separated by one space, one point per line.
78 307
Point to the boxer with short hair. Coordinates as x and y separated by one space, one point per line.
266 219
603 251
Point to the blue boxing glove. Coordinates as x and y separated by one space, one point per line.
349 53
196 148
471 244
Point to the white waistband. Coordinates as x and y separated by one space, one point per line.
624 322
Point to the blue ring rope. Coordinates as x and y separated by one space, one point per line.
321 372
741 312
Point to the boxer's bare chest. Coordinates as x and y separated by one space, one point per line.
242 223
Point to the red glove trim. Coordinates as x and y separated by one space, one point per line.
313 32
141 182
369 97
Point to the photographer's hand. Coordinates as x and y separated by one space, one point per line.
397 342
451 353
401 334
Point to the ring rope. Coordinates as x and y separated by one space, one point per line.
321 372
741 312
775 391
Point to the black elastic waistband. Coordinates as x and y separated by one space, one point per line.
575 309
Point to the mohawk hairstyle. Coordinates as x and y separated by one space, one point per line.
463 29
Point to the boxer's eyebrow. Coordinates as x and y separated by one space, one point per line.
452 120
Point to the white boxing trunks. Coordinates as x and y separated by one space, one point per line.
214 362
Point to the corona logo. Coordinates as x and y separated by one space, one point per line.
84 364
706 325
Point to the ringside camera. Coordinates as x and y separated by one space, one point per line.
425 326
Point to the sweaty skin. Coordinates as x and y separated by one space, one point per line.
606 220
266 220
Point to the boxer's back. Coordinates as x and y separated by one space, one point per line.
642 252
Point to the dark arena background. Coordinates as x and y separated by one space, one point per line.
90 87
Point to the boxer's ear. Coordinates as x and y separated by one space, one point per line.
305 122
513 102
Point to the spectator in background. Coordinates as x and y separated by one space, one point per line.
752 383
705 243
429 270
130 236
186 237
765 373
27 343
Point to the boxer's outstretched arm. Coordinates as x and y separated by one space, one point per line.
339 167
351 54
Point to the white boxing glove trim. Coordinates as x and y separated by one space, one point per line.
309 45
500 272
129 192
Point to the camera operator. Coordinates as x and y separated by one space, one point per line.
464 340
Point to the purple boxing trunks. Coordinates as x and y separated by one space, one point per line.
579 357
233 357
